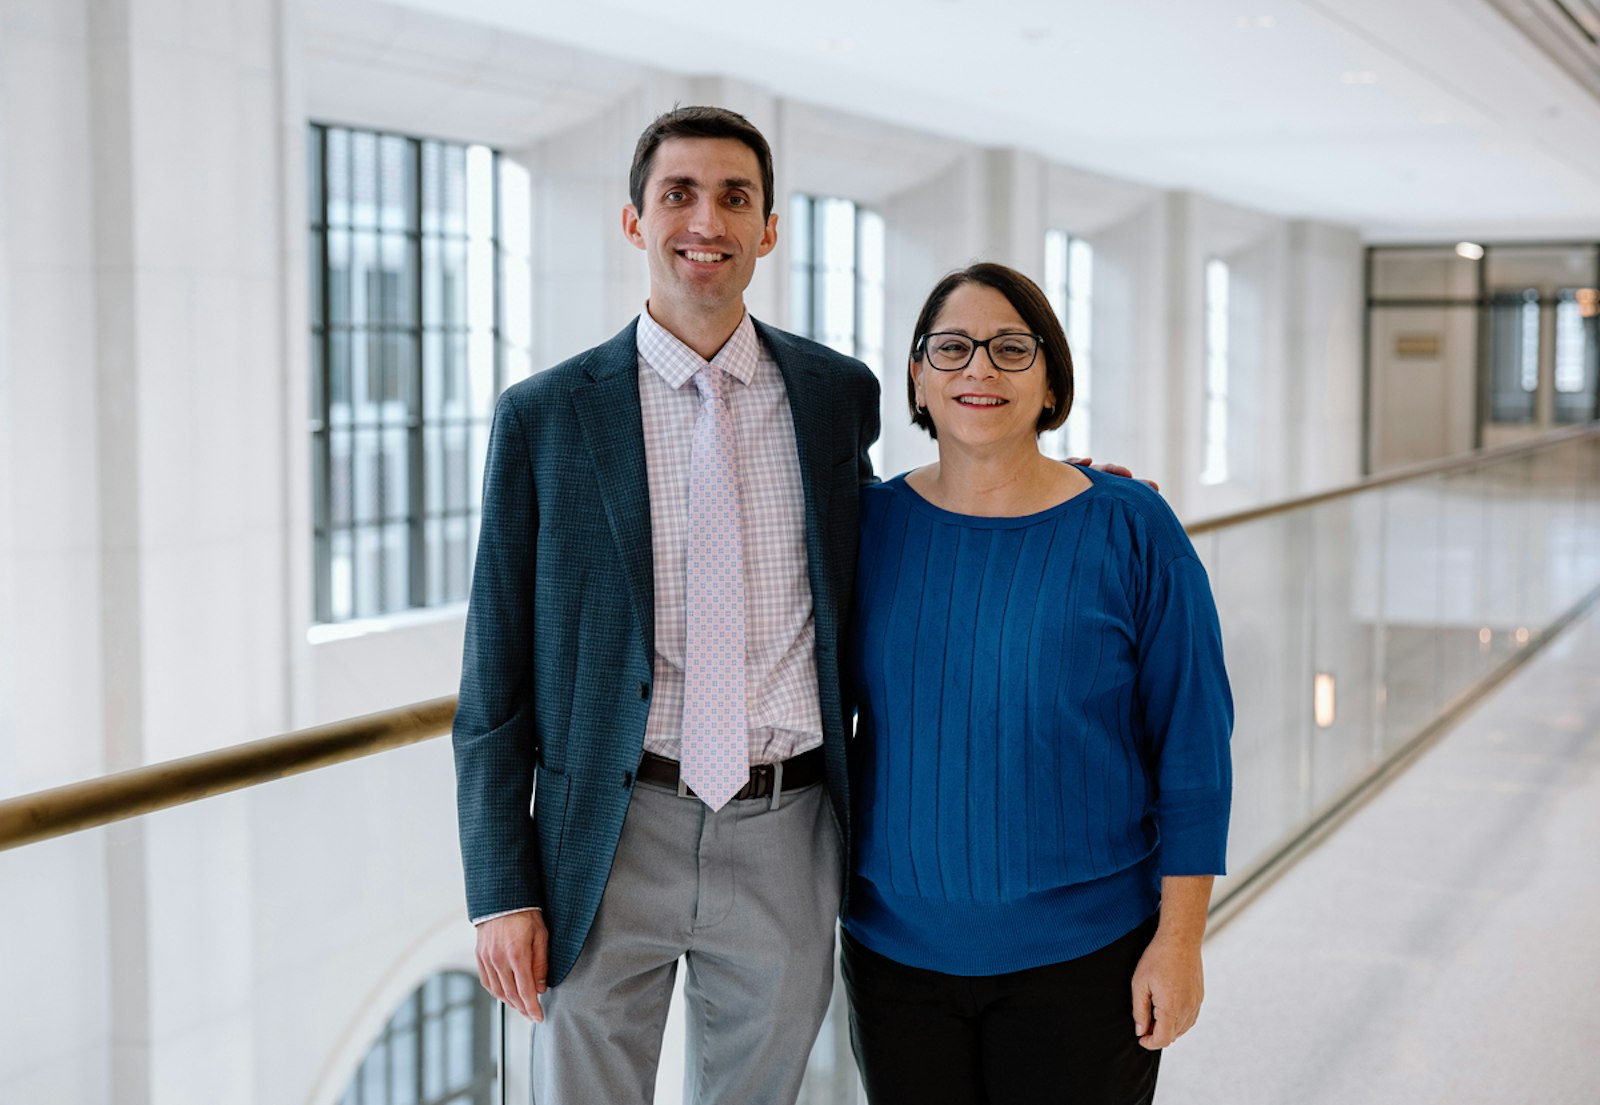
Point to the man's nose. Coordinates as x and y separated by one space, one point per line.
706 219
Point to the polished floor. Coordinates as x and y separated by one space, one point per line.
1443 945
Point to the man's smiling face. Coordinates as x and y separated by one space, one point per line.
701 228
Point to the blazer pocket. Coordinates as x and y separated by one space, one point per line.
551 793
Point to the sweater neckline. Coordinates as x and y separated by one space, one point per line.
983 521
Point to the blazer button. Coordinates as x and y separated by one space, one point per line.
627 779
644 690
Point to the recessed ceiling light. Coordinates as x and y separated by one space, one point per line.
1255 22
1472 251
1359 76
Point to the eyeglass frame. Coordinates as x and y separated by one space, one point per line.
924 354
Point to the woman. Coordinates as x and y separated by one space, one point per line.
1043 782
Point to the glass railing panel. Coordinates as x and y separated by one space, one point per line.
1344 575
1353 624
1411 593
1462 583
252 947
55 971
1255 578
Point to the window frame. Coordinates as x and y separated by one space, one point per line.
423 353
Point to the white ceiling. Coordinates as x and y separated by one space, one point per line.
1415 119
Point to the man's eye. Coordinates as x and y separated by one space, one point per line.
677 195
737 200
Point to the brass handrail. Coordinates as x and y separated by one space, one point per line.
30 818
41 815
1462 462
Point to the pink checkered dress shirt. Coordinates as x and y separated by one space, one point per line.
780 633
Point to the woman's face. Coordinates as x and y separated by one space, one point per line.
980 406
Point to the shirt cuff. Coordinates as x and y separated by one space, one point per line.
506 913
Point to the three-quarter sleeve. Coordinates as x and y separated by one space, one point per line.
1188 713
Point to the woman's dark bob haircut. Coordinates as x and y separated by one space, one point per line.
1029 302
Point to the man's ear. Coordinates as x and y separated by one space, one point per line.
769 236
630 226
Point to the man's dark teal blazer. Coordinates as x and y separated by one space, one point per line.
560 635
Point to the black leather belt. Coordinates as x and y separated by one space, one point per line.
792 774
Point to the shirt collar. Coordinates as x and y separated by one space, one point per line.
676 363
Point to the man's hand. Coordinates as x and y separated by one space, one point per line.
513 957
1112 470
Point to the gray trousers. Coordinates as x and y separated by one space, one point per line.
748 897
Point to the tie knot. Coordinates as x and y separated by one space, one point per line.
709 381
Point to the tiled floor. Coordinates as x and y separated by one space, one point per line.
1443 945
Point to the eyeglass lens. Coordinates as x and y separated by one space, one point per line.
951 352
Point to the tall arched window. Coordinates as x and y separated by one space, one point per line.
437 1049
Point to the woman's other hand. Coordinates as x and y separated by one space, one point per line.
1169 983
1168 987
1112 470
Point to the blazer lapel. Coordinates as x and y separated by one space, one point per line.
806 382
613 430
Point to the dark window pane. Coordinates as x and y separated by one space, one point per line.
453 284
368 571
459 1050
460 988
432 283
434 540
397 183
403 1067
432 185
339 277
339 376
455 468
455 375
399 266
433 353
363 178
338 199
457 564
1514 356
396 569
339 448
396 474
366 486
314 283
363 262
433 471
433 1056
453 190
374 1080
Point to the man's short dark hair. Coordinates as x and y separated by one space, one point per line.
1029 302
698 122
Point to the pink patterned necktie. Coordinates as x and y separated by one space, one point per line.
716 743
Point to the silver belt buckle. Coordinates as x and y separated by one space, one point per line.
777 785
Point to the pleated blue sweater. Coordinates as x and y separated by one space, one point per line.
1043 730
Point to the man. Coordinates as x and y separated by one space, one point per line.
666 559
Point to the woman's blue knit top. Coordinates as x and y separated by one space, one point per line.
1043 731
